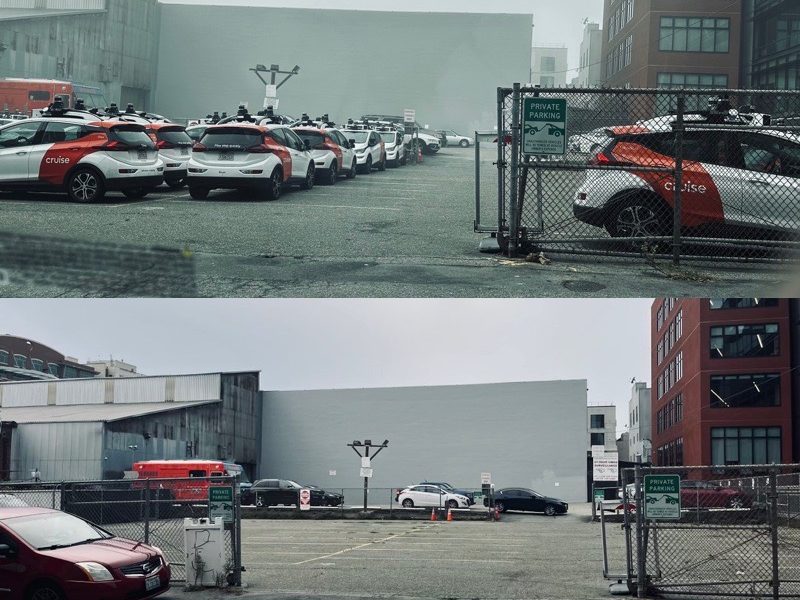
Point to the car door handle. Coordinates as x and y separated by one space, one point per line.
759 182
21 153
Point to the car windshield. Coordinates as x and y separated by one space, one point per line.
55 530
133 135
174 135
230 139
389 137
359 136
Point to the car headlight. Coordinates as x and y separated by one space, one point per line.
95 571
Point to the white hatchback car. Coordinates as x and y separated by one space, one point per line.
245 156
456 139
394 141
84 157
430 495
333 156
368 145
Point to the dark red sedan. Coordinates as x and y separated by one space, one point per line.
51 555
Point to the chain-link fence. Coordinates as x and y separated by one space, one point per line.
723 531
676 172
148 511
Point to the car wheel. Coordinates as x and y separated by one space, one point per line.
500 506
351 174
452 504
736 502
333 174
135 193
45 591
639 216
368 166
408 503
308 182
464 144
85 185
550 510
198 193
274 185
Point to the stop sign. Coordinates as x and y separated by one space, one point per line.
305 499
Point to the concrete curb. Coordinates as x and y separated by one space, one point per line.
378 514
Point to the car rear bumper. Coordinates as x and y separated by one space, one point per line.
229 182
589 214
132 183
177 175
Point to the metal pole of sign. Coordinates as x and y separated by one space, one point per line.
237 530
366 483
539 190
641 584
773 525
147 511
676 221
515 121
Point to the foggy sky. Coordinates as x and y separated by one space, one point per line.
318 344
557 23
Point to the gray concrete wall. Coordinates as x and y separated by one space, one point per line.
525 434
446 66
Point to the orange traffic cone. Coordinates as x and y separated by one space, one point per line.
449 514
433 514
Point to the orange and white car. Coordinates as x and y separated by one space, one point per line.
245 156
174 147
332 152
736 179
83 155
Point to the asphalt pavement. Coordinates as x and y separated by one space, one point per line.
405 232
522 556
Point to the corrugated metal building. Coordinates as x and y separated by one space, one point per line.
96 428
110 44
525 434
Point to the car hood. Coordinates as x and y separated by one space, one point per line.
114 552
554 500
429 138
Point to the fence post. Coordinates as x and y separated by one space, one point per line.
477 180
501 173
237 530
515 125
147 511
641 584
676 217
594 504
773 525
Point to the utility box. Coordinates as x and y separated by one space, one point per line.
205 552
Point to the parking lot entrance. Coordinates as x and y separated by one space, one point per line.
675 172
731 531
151 511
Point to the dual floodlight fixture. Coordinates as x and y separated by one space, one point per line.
369 443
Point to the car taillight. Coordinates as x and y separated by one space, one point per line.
165 145
601 159
116 146
259 149
198 147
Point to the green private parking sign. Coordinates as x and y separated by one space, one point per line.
662 497
220 503
544 123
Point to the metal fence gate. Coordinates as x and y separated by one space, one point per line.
149 511
738 534
686 173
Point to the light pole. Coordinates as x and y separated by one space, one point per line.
133 448
274 71
30 353
366 465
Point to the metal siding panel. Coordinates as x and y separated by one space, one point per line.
197 387
72 393
139 390
56 4
61 451
27 394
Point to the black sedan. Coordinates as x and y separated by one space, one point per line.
528 500
274 492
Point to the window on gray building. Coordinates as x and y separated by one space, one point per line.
598 439
724 303
20 361
597 421
745 445
3 357
52 368
548 64
690 34
37 364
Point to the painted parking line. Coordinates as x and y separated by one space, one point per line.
389 208
427 560
353 548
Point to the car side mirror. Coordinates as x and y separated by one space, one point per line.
352 143
7 551
307 144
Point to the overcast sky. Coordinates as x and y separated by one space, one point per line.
317 344
558 23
